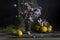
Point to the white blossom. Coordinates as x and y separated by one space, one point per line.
37 13
31 19
15 5
26 4
40 21
46 23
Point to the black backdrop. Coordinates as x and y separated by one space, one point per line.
8 12
50 11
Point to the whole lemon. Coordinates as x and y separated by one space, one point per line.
42 24
37 27
50 28
43 29
19 33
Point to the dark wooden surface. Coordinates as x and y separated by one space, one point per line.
36 36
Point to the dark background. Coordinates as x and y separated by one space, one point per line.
8 12
50 12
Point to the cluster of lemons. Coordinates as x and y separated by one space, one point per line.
43 28
38 27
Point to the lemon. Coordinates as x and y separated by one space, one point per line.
37 27
50 28
19 33
43 29
42 24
